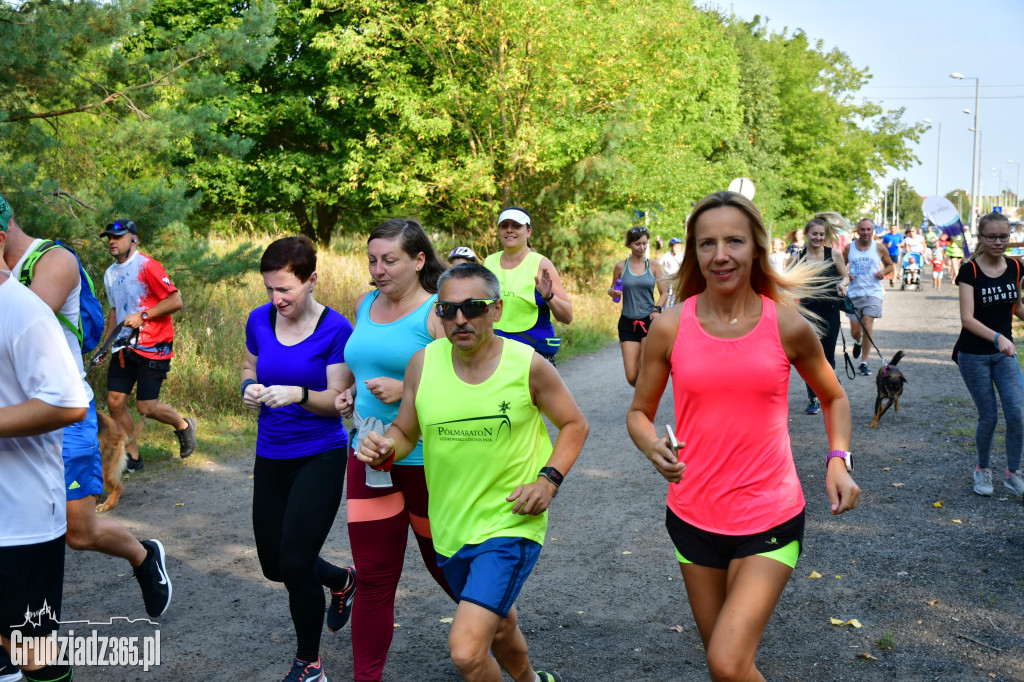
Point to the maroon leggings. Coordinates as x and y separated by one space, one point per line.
378 529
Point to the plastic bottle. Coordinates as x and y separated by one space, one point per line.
617 287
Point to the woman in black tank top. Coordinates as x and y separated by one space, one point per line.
819 231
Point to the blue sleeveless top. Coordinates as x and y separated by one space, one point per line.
383 350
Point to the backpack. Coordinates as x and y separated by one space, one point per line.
89 331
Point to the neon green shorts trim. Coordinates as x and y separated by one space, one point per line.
787 555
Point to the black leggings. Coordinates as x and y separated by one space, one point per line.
829 313
294 502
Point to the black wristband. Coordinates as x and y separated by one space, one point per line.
549 297
553 475
657 308
305 396
246 384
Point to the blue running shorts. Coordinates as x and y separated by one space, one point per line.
492 573
83 464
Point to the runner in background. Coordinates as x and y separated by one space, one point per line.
824 229
735 509
530 287
892 241
985 353
869 263
461 254
670 265
639 277
142 297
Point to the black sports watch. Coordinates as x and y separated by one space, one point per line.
553 475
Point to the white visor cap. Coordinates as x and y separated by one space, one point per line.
514 214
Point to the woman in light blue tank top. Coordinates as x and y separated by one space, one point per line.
393 322
637 295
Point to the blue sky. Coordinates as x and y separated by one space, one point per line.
910 47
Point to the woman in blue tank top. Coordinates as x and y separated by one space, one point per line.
393 321
638 277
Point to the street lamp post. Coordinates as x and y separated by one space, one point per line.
938 158
1016 197
975 177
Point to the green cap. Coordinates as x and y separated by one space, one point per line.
6 213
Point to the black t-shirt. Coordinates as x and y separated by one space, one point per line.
994 300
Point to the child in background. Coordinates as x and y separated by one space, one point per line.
777 258
938 265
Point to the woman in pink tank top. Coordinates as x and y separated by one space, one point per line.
735 506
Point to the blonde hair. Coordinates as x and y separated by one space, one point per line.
802 281
833 223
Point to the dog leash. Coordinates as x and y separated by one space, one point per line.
849 302
851 371
101 355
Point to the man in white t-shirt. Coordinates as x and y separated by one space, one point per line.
40 394
670 263
55 279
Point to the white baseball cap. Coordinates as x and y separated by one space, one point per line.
515 214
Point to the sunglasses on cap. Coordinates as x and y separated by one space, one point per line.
474 307
634 231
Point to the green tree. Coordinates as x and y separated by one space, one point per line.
805 139
100 111
961 198
580 114
908 203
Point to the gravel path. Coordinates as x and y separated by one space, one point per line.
932 572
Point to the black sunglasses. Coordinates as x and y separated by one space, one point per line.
638 230
474 307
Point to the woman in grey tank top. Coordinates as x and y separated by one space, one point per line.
633 283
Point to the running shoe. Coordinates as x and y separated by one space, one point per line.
135 464
856 349
187 438
304 671
983 481
864 371
547 676
1014 482
8 672
340 608
153 579
813 406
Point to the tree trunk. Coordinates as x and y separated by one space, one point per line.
326 219
305 226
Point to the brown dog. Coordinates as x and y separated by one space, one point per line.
113 441
889 384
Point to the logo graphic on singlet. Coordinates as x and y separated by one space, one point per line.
476 429
504 407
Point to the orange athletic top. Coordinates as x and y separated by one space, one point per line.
731 403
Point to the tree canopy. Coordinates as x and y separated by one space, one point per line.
332 114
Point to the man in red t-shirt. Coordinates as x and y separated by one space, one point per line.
142 297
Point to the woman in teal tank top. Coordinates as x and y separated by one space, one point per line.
393 321
636 292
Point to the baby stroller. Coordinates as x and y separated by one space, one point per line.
911 265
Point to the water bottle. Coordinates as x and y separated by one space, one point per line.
617 287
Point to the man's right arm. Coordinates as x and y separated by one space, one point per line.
35 416
54 277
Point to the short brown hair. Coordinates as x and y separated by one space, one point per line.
294 254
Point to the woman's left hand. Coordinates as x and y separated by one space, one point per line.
841 289
543 283
843 493
385 389
279 396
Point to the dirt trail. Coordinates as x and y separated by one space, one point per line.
943 586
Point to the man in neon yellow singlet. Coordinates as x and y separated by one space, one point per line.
486 453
